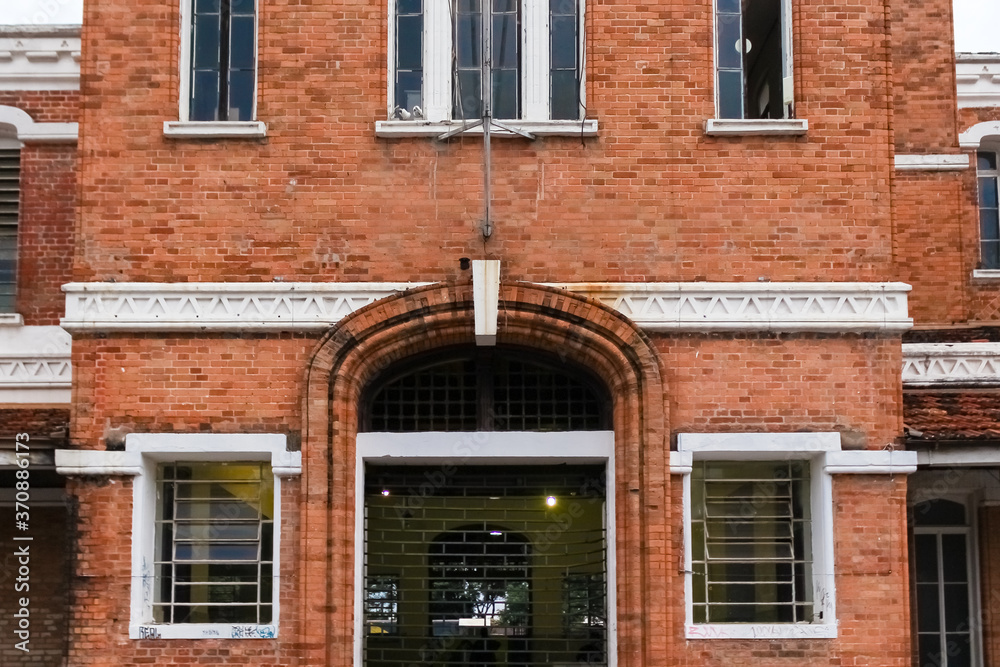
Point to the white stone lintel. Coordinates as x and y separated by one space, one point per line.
486 296
760 631
88 462
959 457
871 462
932 162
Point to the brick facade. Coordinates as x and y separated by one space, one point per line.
651 198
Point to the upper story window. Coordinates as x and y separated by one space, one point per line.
438 50
989 220
753 62
220 71
10 188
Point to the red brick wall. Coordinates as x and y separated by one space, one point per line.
651 198
48 582
45 106
924 76
45 235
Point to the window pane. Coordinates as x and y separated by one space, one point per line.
469 95
925 547
928 616
956 608
930 650
205 96
565 96
505 94
730 37
505 41
991 255
206 41
242 48
731 94
955 561
564 42
408 89
409 42
241 85
938 512
728 5
959 649
409 6
986 160
206 6
988 192
469 40
242 7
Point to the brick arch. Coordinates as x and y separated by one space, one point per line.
582 331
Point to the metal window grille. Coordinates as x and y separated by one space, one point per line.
10 193
751 538
502 390
989 209
214 543
477 566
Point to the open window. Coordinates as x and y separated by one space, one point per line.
437 51
753 59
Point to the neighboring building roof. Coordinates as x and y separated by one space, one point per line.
949 416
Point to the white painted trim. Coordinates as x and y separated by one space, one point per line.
959 457
29 131
975 135
399 129
756 127
817 448
184 102
871 462
35 365
90 462
11 319
39 58
485 297
150 449
487 448
942 364
217 306
977 78
791 307
756 306
214 129
986 274
932 162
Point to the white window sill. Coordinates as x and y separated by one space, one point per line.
203 631
181 129
988 274
393 129
11 320
761 631
931 162
756 127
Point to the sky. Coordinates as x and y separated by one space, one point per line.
977 22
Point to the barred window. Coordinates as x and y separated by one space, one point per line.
10 189
488 390
751 537
214 543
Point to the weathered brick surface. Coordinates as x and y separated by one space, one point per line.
44 106
652 198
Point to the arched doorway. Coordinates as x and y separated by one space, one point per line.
484 556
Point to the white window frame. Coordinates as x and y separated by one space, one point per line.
186 128
486 448
994 148
719 126
812 447
972 489
146 451
437 78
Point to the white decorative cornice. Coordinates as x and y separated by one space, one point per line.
977 78
39 58
932 162
812 307
34 365
217 306
926 364
758 306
